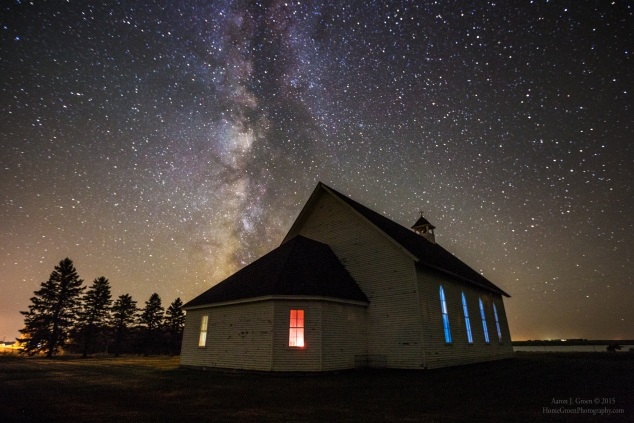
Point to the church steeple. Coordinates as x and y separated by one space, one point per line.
424 228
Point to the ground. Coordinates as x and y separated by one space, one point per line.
155 389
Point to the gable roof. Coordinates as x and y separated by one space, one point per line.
428 253
299 267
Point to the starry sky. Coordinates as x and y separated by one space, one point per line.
166 144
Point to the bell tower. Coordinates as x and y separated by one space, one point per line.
425 229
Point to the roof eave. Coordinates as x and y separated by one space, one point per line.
488 288
278 297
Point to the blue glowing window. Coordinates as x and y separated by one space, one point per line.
484 323
497 323
445 316
466 319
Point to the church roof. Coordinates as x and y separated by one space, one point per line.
428 253
299 267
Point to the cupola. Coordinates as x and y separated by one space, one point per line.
425 229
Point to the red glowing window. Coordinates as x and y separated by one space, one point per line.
296 329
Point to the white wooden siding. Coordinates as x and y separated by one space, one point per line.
343 335
459 351
238 337
293 359
384 272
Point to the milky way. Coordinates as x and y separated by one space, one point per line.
165 145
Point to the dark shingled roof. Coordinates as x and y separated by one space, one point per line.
301 266
428 253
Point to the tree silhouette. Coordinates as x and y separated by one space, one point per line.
123 315
174 324
151 320
95 310
53 311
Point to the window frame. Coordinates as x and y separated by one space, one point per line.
484 323
297 329
445 316
497 323
204 325
466 319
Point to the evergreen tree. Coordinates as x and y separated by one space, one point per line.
53 312
123 315
151 320
174 324
95 311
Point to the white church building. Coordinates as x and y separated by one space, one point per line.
348 288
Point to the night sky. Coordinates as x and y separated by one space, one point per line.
166 144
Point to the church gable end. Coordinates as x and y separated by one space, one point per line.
382 269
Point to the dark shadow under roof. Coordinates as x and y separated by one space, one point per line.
301 266
428 253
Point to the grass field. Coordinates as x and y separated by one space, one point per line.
155 389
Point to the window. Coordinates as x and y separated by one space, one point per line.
484 323
466 319
445 316
203 331
497 323
296 329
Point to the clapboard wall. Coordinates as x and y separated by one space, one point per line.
384 272
344 335
238 337
439 353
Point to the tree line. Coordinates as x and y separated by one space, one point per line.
78 319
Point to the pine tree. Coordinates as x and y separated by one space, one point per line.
174 324
95 311
53 312
124 312
151 319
